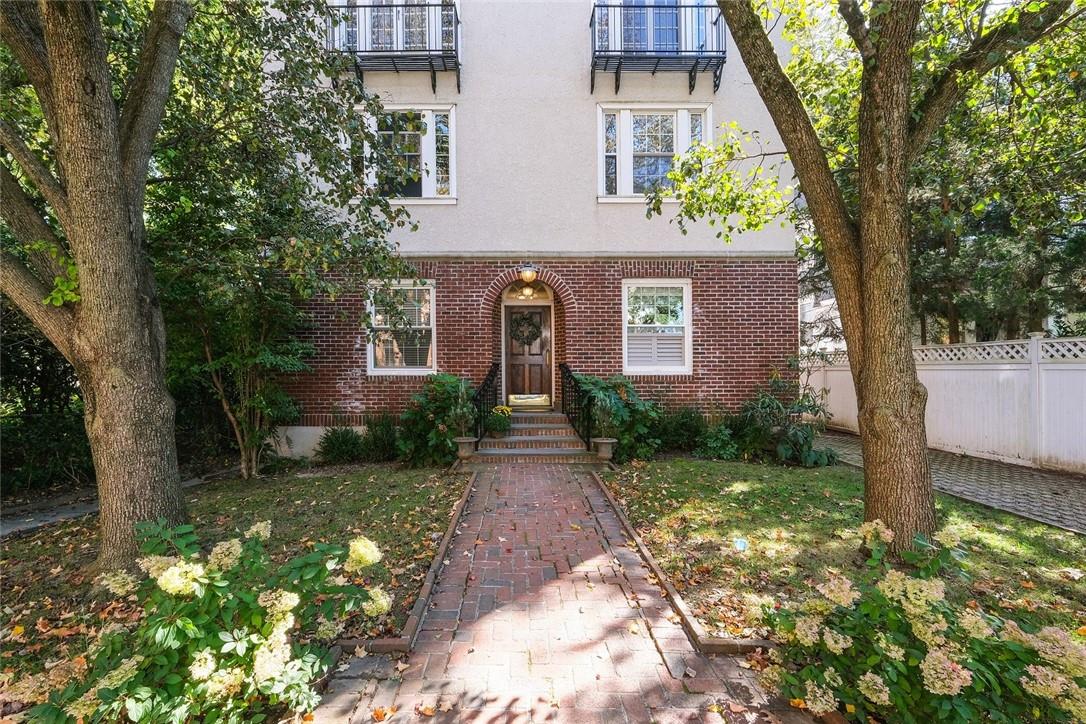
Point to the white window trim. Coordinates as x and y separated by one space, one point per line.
372 369
625 113
429 154
688 327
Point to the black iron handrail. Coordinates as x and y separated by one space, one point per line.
485 399
690 29
576 404
394 29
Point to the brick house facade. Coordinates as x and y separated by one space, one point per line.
536 145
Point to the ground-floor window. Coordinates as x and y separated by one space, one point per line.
657 333
403 338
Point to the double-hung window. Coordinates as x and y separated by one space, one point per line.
638 145
423 139
657 334
403 342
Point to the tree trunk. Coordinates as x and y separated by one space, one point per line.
897 479
130 425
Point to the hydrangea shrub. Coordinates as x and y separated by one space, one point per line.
890 646
225 637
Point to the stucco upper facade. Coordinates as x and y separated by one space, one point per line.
527 142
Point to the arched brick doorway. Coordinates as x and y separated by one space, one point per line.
547 300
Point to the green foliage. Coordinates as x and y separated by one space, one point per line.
230 637
716 443
340 445
434 416
41 412
889 646
726 183
782 421
499 420
65 285
620 413
680 429
379 439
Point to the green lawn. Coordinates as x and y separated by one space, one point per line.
799 522
48 614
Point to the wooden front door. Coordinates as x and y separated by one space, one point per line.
528 365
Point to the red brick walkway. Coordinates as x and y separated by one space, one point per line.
544 612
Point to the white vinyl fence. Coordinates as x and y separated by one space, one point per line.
1019 401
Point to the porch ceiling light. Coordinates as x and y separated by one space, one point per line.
527 273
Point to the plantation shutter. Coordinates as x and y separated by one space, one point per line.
656 327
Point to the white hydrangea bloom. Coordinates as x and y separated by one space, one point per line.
872 686
225 555
225 683
118 583
181 578
362 553
261 530
379 603
203 665
154 566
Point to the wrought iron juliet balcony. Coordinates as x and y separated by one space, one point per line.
665 36
398 36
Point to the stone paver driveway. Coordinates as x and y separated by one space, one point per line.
544 612
1049 497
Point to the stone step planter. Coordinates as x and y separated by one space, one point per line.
465 447
605 447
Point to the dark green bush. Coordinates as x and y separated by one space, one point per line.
434 416
341 445
681 429
717 444
619 412
44 450
379 439
782 422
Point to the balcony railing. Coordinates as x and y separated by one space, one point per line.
657 38
403 36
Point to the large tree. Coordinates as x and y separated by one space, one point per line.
909 80
77 207
127 152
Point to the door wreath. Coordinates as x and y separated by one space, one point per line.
524 329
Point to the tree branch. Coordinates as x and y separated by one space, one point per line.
857 28
27 223
832 221
987 51
42 178
145 96
21 30
26 291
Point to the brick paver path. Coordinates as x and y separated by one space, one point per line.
1048 497
544 612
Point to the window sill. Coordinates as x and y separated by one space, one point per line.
657 371
630 200
425 201
405 372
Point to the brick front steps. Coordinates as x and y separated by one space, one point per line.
542 436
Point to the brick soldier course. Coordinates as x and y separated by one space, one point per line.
543 611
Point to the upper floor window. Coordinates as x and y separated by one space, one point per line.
657 333
403 345
637 145
423 139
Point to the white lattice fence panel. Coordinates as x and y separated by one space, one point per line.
1070 348
985 352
